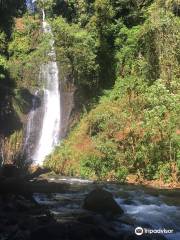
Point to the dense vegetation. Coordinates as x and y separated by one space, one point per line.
127 53
22 49
123 57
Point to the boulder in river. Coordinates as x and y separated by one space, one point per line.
102 201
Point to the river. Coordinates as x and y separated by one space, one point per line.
144 207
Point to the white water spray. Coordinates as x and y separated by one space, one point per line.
50 132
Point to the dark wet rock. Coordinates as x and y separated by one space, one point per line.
144 237
101 201
36 172
44 219
70 231
87 231
23 205
20 186
12 221
89 219
10 170
8 208
18 216
21 235
52 232
28 223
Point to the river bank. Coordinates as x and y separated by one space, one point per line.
158 184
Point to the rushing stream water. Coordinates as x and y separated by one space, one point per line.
147 208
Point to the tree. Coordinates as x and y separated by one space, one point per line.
76 50
46 5
103 19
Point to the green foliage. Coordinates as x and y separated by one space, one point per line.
122 174
160 44
3 59
76 52
47 6
3 66
127 46
81 11
134 128
163 171
103 22
2 42
137 136
21 100
22 50
92 165
132 12
27 51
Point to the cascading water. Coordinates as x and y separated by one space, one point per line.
29 127
50 127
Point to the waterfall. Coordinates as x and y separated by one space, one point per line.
43 16
30 123
50 123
